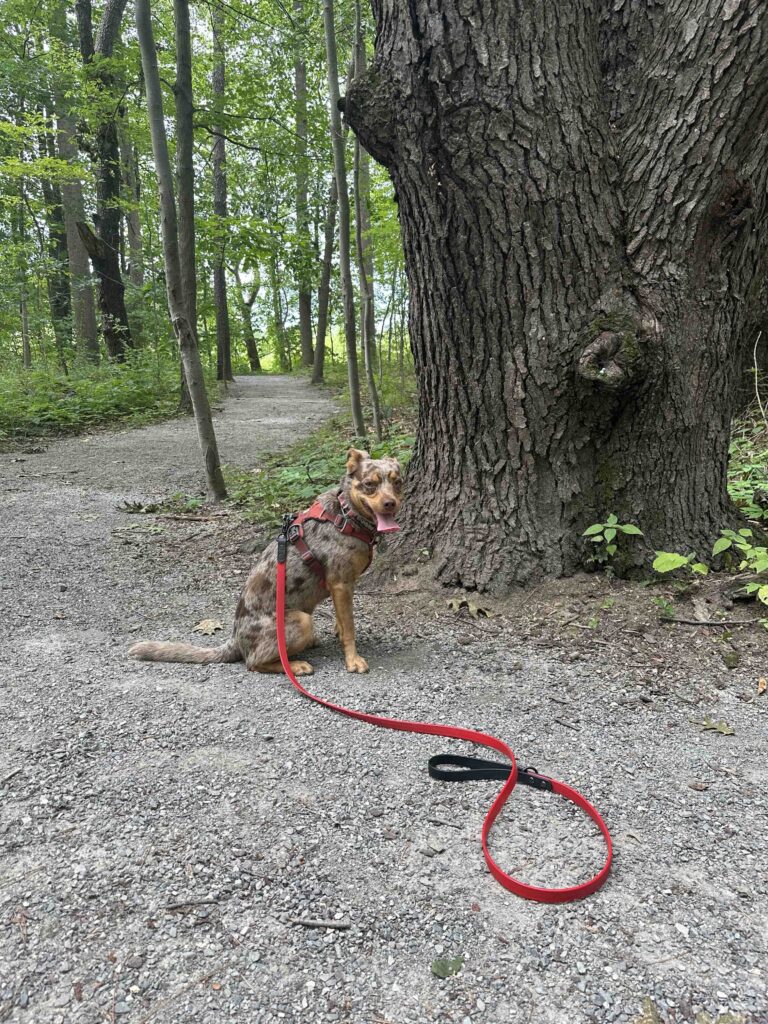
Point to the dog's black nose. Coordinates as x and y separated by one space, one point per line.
390 505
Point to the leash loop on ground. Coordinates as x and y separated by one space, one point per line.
465 768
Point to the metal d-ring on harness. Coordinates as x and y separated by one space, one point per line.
463 768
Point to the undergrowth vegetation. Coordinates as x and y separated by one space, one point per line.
43 401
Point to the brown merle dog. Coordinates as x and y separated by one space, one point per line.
367 502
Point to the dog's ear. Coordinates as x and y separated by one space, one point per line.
355 459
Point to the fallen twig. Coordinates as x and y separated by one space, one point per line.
568 725
312 922
188 903
710 622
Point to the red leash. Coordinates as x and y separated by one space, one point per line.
475 769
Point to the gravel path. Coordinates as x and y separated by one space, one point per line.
163 828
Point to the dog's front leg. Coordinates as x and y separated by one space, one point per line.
342 603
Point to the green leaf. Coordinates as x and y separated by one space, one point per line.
721 545
610 533
745 533
762 594
701 568
721 726
612 520
666 561
447 968
593 529
634 531
611 549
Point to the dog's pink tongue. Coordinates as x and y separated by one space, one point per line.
386 524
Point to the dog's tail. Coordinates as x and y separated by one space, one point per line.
152 650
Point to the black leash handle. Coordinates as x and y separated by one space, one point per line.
472 769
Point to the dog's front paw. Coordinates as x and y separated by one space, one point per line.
301 668
357 664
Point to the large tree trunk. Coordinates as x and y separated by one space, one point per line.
324 288
219 168
103 246
583 204
340 172
177 303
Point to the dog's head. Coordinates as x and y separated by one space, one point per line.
375 488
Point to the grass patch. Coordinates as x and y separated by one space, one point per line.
34 403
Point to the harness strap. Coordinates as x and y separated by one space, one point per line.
475 768
346 522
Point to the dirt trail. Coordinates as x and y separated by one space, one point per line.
163 828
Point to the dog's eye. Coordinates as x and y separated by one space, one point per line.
369 486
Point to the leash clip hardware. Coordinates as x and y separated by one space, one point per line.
530 777
282 540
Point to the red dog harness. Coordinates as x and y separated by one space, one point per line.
346 522
474 768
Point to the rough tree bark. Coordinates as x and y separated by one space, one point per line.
324 288
219 171
340 173
582 194
103 246
177 303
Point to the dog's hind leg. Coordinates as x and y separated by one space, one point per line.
299 634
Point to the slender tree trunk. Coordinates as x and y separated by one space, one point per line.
340 171
304 242
131 206
58 256
177 302
223 335
185 176
84 326
324 290
584 241
19 235
246 305
281 342
363 245
103 247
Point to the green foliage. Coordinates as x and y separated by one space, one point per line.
40 402
748 468
751 558
606 536
669 561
